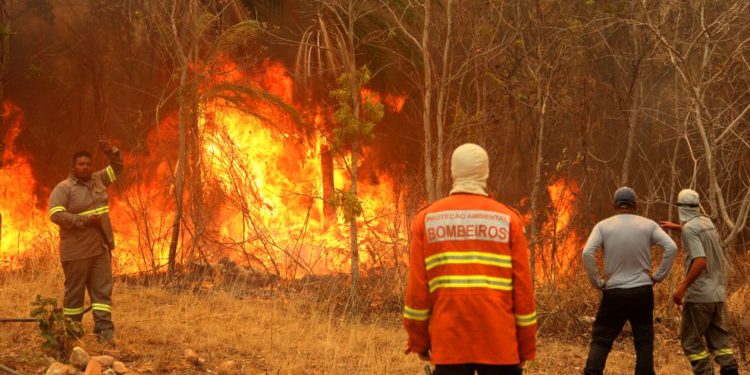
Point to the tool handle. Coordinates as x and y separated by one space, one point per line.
18 320
30 320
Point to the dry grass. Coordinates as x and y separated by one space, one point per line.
293 330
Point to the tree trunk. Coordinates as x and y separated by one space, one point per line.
673 165
715 197
537 186
635 103
426 110
326 167
355 87
199 212
396 234
441 107
354 244
180 175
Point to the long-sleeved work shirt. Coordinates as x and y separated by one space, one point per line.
71 203
626 240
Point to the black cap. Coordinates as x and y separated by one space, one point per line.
625 197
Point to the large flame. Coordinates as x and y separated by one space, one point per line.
262 196
559 243
23 222
255 189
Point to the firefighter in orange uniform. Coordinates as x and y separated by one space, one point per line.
469 300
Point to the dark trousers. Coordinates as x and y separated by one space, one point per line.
94 274
707 321
470 368
635 305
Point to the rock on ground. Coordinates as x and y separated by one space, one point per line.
119 367
93 368
104 360
58 368
79 358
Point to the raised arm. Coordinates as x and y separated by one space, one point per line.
116 165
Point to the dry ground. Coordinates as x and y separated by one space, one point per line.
267 333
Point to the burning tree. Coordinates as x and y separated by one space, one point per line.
335 40
195 37
356 117
652 95
240 162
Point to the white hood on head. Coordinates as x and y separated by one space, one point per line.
688 197
470 168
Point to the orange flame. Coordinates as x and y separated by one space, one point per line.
24 224
255 192
559 242
395 103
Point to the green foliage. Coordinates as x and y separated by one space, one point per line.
356 118
58 331
348 202
354 129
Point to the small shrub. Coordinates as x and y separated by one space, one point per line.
58 331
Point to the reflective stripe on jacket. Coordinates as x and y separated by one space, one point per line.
470 297
72 201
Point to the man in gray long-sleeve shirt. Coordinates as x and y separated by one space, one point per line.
626 240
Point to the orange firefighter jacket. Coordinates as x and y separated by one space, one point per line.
470 296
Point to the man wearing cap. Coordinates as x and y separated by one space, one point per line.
627 295
703 292
469 300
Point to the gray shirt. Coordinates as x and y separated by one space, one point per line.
700 239
626 240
